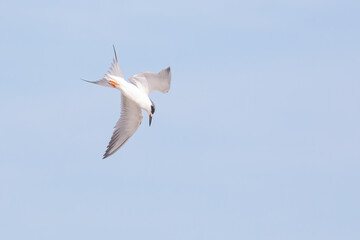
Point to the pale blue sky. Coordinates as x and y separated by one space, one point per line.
258 137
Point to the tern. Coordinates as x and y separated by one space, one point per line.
134 98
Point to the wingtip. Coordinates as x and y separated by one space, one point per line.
168 70
165 71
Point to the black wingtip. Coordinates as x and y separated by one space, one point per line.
115 53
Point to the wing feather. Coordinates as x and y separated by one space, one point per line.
130 120
149 81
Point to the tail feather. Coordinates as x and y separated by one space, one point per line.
110 78
101 82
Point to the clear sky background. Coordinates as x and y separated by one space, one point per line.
258 137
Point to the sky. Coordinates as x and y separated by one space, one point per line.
258 137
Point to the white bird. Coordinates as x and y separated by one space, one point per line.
134 97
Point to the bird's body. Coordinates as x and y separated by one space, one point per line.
134 97
132 92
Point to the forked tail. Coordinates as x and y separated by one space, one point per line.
111 77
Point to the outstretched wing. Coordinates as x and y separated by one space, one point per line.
149 81
114 70
128 123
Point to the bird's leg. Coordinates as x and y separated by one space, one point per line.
113 83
